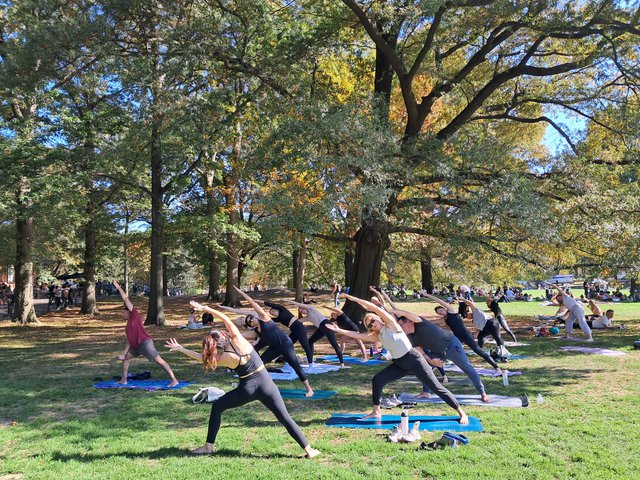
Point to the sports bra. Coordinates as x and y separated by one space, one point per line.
254 363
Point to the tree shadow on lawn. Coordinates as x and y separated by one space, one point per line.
166 453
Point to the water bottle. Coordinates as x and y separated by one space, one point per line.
371 351
540 399
404 422
505 378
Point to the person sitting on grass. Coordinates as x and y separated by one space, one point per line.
231 350
139 342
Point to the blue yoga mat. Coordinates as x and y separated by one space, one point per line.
300 394
387 422
352 360
149 385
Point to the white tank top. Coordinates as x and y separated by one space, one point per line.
397 343
479 318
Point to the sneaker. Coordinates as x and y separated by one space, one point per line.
387 403
395 434
413 435
395 400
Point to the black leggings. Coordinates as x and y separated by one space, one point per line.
321 332
289 354
257 387
492 327
503 322
464 335
412 363
299 334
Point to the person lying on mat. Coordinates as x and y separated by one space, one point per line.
139 342
441 344
345 323
405 360
231 350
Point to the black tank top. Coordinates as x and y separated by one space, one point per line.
271 334
252 364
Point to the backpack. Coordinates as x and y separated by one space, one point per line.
636 344
207 394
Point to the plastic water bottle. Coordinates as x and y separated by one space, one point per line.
404 422
505 378
540 398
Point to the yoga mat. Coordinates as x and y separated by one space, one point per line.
300 394
509 344
594 351
387 422
496 400
149 385
452 380
485 372
313 369
352 360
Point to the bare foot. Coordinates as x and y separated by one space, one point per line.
342 365
311 452
122 382
590 339
204 450
173 383
309 393
464 420
424 395
485 398
372 415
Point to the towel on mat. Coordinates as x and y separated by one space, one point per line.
594 351
496 400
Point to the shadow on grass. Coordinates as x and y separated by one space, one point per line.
166 453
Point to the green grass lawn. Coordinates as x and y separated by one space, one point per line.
53 424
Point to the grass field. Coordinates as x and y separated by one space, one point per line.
53 424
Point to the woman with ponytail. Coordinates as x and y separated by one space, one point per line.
231 350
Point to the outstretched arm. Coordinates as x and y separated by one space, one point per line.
303 305
365 337
239 311
408 315
173 346
442 303
471 303
333 309
258 309
123 295
234 332
383 297
388 319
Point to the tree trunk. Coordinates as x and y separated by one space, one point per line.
155 313
165 279
214 276
298 278
89 306
24 311
127 218
232 298
426 273
295 256
372 240
348 266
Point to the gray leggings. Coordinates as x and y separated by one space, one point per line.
455 352
412 363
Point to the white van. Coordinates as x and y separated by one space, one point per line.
561 279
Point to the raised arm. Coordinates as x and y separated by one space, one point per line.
442 303
123 295
383 297
365 337
471 303
258 309
333 309
388 319
239 311
408 315
233 330
173 346
303 305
